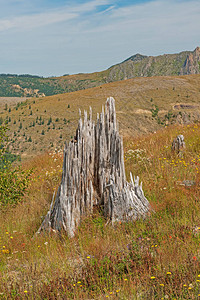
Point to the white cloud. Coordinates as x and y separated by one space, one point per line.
29 21
33 21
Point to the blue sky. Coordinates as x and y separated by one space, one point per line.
55 37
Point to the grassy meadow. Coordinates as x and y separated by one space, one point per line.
155 258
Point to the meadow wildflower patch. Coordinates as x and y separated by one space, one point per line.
154 258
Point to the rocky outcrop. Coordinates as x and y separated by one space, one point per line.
192 63
27 92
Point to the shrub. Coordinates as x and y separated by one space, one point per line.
49 121
155 111
13 180
13 184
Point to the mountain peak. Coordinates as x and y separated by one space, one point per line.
135 58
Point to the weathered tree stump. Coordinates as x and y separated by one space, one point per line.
178 144
94 175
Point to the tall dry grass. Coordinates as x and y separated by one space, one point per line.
156 258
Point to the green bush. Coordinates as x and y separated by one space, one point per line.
13 180
13 185
155 111
49 121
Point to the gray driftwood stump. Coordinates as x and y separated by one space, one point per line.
178 144
94 175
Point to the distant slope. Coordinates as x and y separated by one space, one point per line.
184 63
35 86
143 105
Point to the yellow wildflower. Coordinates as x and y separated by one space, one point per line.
5 251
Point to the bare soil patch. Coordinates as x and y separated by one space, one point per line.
11 100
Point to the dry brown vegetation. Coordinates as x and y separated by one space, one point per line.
156 258
143 105
149 259
10 101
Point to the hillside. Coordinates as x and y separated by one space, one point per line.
156 258
143 105
183 63
29 86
